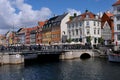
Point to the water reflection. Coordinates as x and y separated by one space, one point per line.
11 72
87 69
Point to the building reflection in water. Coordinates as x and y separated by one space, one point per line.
11 72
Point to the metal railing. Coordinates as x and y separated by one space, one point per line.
43 48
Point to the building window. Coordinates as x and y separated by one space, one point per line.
76 31
73 25
87 16
118 9
50 25
95 40
80 23
73 32
80 31
69 34
98 23
88 31
118 26
98 31
118 18
118 37
63 32
96 17
69 26
94 23
87 23
94 31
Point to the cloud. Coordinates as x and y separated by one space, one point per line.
19 13
72 11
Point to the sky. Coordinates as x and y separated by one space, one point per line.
15 14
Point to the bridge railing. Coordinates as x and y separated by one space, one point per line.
43 48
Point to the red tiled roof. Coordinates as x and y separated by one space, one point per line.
90 14
117 3
107 17
83 16
109 14
41 23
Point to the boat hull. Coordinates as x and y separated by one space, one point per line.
114 57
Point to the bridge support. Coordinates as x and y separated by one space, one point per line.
66 55
11 58
75 54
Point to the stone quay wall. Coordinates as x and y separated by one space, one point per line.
7 58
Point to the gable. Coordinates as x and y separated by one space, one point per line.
106 26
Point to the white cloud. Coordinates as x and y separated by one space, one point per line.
72 11
25 15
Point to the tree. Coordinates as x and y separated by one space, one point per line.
75 14
101 40
71 17
69 40
88 39
95 40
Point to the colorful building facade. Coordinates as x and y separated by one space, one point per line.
116 12
55 29
107 27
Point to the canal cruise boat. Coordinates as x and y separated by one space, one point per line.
114 56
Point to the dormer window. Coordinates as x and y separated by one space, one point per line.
118 18
96 17
87 16
118 9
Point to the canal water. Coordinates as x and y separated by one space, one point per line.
77 69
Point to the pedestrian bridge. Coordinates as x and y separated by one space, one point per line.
78 54
65 54
19 57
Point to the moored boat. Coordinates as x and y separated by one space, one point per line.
114 57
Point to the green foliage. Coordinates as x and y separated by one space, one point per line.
100 40
75 14
88 38
95 40
69 40
71 17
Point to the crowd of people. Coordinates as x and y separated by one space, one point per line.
44 47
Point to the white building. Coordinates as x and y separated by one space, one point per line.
116 12
84 26
107 28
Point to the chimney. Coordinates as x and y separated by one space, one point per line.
108 11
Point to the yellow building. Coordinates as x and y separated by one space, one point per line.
52 31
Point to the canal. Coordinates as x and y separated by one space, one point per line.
77 69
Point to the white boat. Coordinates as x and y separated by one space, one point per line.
114 57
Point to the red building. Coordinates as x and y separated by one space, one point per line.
107 24
27 36
39 32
